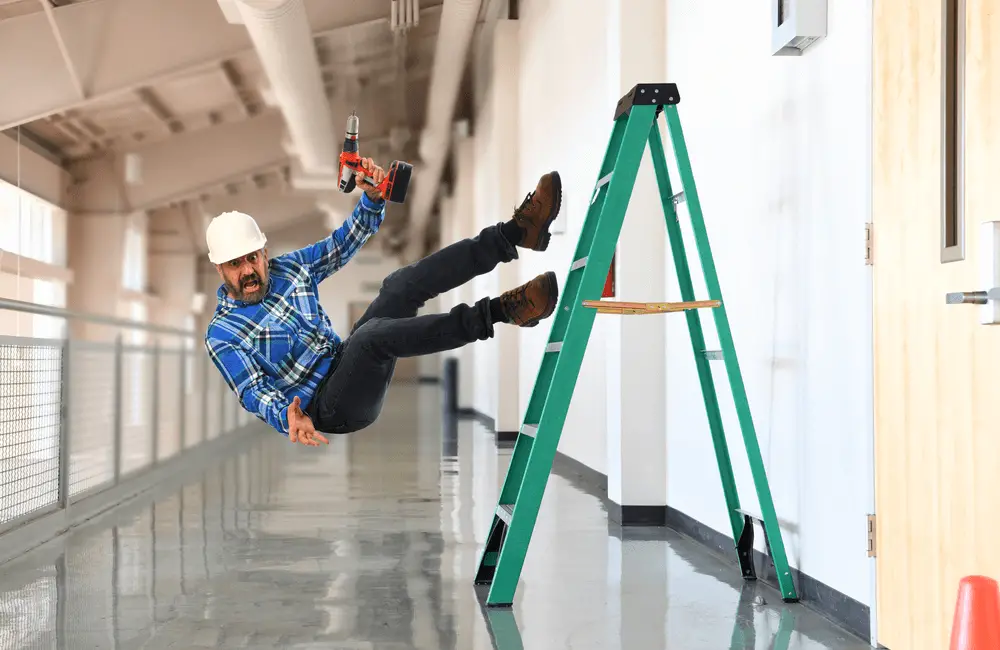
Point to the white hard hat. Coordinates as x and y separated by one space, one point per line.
231 235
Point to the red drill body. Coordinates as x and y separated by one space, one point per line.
397 179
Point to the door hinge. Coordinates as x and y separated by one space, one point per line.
871 536
868 244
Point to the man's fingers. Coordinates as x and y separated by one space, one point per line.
321 438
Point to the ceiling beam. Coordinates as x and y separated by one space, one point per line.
121 46
63 51
155 105
179 168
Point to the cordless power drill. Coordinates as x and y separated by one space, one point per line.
397 178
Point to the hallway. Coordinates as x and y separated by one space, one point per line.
372 544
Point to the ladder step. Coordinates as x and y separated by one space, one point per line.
505 512
753 515
529 430
677 199
578 264
554 347
713 355
601 183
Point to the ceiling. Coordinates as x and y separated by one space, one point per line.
116 83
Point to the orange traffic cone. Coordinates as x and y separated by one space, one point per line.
977 615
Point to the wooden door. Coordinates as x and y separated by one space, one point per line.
937 370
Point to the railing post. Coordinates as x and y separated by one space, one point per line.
156 403
64 418
204 400
117 405
182 423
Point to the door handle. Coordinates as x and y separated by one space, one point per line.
967 298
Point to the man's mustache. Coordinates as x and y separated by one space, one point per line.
250 279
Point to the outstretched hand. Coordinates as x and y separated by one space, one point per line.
300 426
377 175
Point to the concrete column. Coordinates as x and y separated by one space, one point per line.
173 280
506 68
95 251
208 283
463 213
636 346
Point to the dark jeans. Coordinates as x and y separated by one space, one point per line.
351 396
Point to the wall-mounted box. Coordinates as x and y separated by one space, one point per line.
796 25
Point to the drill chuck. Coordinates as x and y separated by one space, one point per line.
351 134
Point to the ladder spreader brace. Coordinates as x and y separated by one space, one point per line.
635 125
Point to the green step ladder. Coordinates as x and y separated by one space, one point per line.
635 124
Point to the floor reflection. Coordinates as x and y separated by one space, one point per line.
372 544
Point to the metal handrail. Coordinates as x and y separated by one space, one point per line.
60 312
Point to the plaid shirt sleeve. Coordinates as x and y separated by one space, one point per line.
256 391
328 255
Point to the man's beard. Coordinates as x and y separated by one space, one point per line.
255 294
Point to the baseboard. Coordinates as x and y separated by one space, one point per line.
505 436
638 515
478 416
585 478
838 607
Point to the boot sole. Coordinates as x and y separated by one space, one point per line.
544 235
552 288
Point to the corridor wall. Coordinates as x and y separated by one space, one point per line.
781 154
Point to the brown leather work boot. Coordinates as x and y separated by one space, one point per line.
538 210
531 302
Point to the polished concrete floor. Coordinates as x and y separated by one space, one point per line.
372 544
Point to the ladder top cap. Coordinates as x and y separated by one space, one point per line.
661 94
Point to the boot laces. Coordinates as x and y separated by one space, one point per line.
517 298
525 204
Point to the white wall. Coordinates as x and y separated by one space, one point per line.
567 95
485 213
780 155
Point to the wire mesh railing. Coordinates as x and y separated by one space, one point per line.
79 416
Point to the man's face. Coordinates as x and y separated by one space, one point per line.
246 277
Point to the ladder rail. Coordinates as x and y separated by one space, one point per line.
697 335
575 334
489 558
750 441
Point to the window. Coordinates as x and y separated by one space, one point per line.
953 132
52 294
134 259
31 227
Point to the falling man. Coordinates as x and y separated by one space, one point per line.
277 350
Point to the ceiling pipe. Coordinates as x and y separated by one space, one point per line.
458 22
283 39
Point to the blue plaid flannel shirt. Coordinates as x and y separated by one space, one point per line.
283 346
